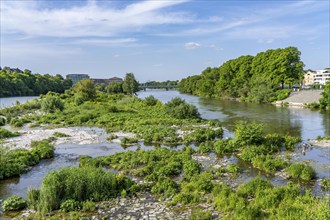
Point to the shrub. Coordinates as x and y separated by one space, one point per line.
290 142
15 162
88 206
199 214
178 108
70 205
79 184
2 121
325 184
301 170
224 146
248 133
33 198
233 168
165 187
150 100
190 168
13 203
253 187
282 94
4 133
51 103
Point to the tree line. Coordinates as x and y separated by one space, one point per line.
15 82
259 78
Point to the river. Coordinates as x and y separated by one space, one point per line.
10 101
286 120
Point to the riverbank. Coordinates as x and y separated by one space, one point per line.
301 98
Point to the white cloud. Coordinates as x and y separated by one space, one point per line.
86 20
265 41
191 45
105 42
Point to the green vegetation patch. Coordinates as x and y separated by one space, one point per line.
15 162
70 188
4 133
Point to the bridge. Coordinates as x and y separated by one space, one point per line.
148 86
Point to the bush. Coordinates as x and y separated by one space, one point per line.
33 198
165 187
150 100
248 133
282 94
178 108
13 203
302 171
70 205
88 206
233 168
325 184
190 168
66 187
2 121
15 162
4 133
253 187
199 214
51 103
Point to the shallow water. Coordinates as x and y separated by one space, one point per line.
304 123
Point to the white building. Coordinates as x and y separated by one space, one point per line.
317 77
321 77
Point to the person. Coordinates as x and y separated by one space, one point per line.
304 148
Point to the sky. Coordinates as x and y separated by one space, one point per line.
156 40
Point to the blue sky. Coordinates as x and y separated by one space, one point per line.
156 40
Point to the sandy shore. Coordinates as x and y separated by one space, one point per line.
76 135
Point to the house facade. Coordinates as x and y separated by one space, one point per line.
317 77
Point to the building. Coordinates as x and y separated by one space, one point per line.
309 78
107 81
77 77
317 77
321 77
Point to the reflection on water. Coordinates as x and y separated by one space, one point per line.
300 122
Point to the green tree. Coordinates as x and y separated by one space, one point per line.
115 87
325 99
86 89
51 103
130 85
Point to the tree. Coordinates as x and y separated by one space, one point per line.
325 99
85 88
51 103
115 87
130 85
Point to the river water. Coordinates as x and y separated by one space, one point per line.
300 122
10 101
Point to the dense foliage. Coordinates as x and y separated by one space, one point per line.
325 99
24 83
69 187
17 161
13 203
259 78
4 133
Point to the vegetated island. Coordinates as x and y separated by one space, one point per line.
162 182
